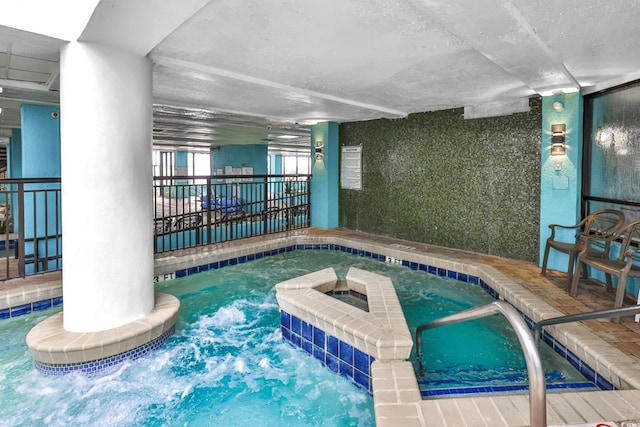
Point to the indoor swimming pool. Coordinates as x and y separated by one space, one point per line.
228 365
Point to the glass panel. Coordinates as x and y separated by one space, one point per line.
615 145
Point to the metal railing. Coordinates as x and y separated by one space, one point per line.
189 211
193 211
598 314
30 226
537 384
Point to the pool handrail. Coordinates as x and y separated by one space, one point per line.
597 314
537 384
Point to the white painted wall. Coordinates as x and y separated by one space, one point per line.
106 119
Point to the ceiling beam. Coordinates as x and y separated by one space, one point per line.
498 27
26 100
52 78
214 71
19 84
8 60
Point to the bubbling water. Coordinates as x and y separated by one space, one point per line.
227 364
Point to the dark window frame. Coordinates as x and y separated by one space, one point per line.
585 197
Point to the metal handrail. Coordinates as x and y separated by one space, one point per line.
598 314
193 211
537 384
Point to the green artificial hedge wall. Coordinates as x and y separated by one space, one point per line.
437 178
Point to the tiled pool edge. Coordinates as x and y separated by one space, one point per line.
344 338
567 336
56 351
96 366
576 339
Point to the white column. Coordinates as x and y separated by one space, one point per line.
106 120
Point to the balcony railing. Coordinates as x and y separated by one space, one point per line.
193 211
30 227
189 212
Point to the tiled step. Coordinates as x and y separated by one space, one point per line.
618 408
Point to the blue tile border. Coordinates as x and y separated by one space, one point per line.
3 244
502 389
586 370
24 309
338 356
582 367
94 367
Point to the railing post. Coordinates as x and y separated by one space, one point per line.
8 227
208 211
266 208
198 229
308 200
21 255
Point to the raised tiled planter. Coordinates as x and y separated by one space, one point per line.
345 338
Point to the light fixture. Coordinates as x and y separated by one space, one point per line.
1 89
558 106
557 139
319 146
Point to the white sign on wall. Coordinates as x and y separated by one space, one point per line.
247 171
230 170
351 168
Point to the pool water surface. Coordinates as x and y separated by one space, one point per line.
227 364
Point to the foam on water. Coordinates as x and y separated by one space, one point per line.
227 364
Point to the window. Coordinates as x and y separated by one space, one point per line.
611 167
164 163
199 164
296 165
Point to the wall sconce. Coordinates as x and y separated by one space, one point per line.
557 140
319 147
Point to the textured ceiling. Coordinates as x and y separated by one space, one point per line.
249 71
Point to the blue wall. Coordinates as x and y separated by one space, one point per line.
40 158
40 141
276 164
275 169
325 174
238 156
253 155
180 168
560 189
14 156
